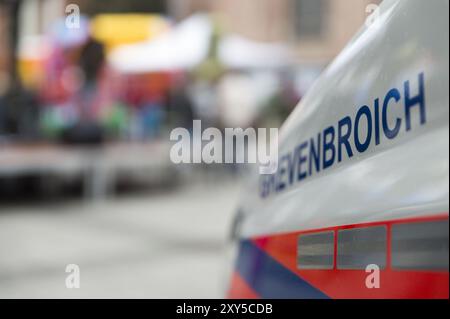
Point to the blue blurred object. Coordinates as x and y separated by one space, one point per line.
65 37
151 118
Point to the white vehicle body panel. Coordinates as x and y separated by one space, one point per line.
403 177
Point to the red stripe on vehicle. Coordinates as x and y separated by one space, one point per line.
351 283
239 289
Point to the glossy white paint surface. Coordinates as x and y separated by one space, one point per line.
403 177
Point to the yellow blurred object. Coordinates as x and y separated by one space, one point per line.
119 29
31 72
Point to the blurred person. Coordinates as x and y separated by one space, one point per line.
206 78
280 104
205 102
180 106
90 97
19 111
150 116
4 83
237 99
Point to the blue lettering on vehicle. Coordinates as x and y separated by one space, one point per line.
328 147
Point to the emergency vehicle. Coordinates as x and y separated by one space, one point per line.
358 206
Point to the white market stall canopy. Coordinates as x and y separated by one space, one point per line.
183 47
187 45
238 52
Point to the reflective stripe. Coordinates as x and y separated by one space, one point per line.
315 251
270 279
421 246
359 247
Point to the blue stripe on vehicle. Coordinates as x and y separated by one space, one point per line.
270 279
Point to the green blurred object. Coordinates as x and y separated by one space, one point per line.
211 68
116 120
52 123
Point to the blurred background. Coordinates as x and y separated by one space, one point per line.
89 91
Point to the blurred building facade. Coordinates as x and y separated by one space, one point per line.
5 45
34 16
3 48
317 30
